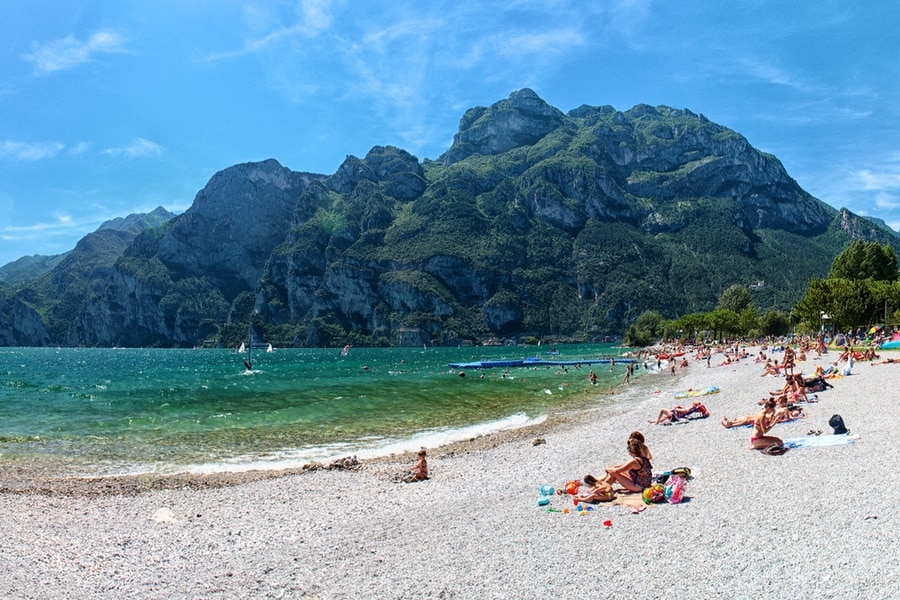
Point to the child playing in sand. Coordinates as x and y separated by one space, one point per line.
598 492
419 471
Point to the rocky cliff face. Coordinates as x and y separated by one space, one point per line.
533 222
234 223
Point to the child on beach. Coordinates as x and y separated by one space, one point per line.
598 492
419 471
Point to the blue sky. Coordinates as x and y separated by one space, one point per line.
109 107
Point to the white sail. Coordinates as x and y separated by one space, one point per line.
241 349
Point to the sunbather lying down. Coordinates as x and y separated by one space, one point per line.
680 412
738 422
599 491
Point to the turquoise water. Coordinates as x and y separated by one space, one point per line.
113 411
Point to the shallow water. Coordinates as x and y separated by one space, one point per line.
113 411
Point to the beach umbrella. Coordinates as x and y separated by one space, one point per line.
875 328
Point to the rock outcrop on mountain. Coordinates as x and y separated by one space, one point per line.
533 223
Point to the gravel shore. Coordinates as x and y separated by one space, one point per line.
813 523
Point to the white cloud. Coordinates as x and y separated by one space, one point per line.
139 148
24 151
887 201
878 181
62 224
70 52
550 42
315 16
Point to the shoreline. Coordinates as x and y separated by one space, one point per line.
813 523
19 480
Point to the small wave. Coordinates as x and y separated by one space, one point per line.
370 447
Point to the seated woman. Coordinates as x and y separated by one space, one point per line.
680 412
633 475
762 423
598 492
771 369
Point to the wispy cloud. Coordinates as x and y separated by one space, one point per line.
887 201
313 18
69 52
545 42
884 180
62 225
25 151
139 148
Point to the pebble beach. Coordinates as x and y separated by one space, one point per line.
812 523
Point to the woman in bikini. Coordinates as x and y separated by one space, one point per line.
633 475
762 423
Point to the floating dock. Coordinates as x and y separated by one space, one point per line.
534 362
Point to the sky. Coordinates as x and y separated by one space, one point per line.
109 108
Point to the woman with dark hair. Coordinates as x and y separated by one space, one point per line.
635 474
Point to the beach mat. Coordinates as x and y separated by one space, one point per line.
695 393
819 441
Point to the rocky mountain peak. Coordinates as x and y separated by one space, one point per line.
399 170
233 224
520 120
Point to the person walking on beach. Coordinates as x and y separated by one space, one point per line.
629 369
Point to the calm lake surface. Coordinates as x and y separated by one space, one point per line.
117 411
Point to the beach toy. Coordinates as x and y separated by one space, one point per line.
565 511
547 490
543 501
572 488
607 523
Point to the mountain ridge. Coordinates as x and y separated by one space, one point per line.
533 223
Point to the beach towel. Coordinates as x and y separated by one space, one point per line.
693 393
819 441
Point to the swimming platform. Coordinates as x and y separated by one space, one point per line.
534 362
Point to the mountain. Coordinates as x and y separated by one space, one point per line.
40 311
533 223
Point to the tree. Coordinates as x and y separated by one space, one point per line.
736 298
775 322
865 260
645 329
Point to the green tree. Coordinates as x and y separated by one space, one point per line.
736 298
865 260
775 322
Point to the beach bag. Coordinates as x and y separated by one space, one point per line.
674 489
655 494
837 423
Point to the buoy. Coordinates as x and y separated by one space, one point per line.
462 373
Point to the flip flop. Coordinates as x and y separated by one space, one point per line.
637 509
